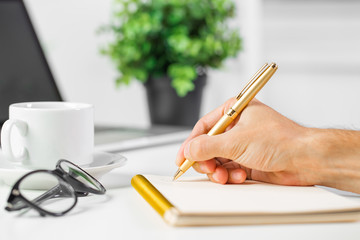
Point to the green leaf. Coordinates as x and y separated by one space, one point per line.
182 86
150 63
176 16
179 43
179 71
124 79
140 74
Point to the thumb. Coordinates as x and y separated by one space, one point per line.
206 147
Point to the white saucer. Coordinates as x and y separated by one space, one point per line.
102 163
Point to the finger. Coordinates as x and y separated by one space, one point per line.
180 158
227 163
205 166
224 145
220 175
203 126
236 175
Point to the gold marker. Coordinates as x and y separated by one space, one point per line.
250 90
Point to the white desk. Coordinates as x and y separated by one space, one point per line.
123 214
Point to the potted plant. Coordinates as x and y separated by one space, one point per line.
168 45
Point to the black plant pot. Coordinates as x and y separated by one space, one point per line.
167 108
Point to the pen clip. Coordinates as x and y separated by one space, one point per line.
252 80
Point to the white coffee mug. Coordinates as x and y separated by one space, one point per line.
47 132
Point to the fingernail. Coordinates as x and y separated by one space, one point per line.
203 168
215 176
236 176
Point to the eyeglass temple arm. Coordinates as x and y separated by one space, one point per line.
54 192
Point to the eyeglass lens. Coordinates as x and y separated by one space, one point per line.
52 194
80 175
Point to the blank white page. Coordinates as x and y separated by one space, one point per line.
199 195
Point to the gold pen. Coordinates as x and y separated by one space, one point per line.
250 90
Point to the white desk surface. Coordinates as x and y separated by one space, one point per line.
123 214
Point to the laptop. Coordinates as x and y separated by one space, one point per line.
26 76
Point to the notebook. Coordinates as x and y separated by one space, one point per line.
25 76
196 201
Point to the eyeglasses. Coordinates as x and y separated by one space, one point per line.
56 191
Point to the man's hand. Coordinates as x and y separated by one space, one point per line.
261 145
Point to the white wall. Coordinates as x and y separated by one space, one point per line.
315 44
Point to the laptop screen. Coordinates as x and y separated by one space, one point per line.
24 72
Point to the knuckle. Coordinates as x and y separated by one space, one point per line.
229 103
200 126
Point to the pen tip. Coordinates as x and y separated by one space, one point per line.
178 174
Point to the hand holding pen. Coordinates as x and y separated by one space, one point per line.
259 145
263 145
253 146
250 90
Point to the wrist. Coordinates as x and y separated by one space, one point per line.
309 160
332 158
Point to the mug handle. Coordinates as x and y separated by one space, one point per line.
6 137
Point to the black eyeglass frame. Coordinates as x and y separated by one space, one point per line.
79 189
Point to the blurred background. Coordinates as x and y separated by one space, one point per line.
315 43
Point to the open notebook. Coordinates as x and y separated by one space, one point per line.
197 201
